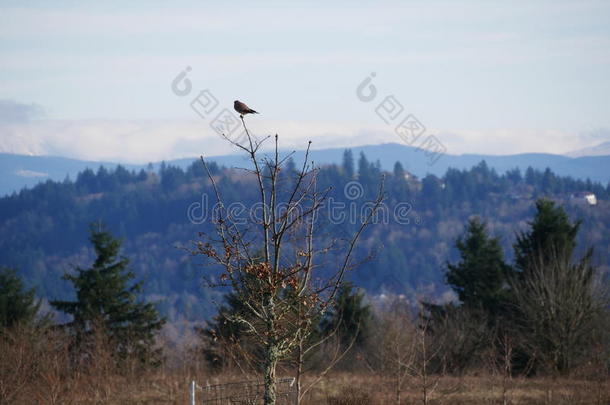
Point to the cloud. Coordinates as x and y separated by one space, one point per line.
141 141
509 141
595 136
14 112
30 173
147 140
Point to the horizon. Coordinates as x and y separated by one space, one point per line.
313 149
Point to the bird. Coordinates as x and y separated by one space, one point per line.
242 108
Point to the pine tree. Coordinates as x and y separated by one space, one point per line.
431 189
225 340
551 231
348 164
479 278
399 171
16 304
364 169
351 316
103 296
530 176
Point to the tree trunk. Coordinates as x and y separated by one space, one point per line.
270 364
271 355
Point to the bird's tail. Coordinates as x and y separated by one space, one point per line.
253 112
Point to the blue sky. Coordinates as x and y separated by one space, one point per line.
483 76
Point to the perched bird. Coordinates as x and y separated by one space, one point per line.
243 109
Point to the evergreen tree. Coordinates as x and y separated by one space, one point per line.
16 304
551 231
431 189
479 278
364 169
399 171
224 340
351 316
104 297
548 181
514 175
398 186
530 176
348 164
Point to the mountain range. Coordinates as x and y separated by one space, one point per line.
19 171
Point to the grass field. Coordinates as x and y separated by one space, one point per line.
337 389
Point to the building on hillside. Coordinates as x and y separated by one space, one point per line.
584 197
410 176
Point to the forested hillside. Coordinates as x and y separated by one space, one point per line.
43 231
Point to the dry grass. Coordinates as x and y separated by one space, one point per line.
337 389
343 388
35 368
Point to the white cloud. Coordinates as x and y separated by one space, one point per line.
30 173
509 141
145 141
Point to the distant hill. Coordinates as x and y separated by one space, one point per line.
18 171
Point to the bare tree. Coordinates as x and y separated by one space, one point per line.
500 362
409 350
559 304
269 263
55 378
464 334
427 349
396 342
35 365
17 367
